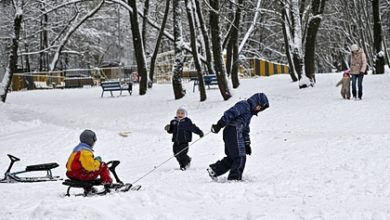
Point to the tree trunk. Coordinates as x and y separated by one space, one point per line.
217 50
206 38
379 56
287 40
28 78
159 38
178 90
313 26
145 22
297 51
13 58
386 53
43 55
234 40
229 56
138 48
194 46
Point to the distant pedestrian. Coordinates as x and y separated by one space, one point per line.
345 83
358 69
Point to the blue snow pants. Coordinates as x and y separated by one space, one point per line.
235 156
359 79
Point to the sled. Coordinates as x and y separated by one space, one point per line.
89 186
14 177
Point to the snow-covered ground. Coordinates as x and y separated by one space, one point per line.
315 155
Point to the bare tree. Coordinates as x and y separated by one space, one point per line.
219 64
234 45
206 38
380 55
145 23
158 42
317 9
13 57
138 48
287 41
178 90
44 43
69 33
194 46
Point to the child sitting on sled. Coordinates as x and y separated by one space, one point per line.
83 165
346 85
182 128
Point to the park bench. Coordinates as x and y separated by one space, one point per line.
209 80
111 86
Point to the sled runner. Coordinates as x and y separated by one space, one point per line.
89 186
13 177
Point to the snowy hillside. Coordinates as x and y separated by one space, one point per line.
315 155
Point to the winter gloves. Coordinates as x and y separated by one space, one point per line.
167 127
215 128
248 149
98 158
201 134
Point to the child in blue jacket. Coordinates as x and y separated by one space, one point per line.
181 128
235 122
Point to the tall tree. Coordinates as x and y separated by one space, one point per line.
158 42
145 22
234 45
206 38
219 64
13 57
380 55
44 43
317 9
287 42
194 46
138 48
178 90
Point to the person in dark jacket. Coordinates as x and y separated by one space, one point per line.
235 122
181 128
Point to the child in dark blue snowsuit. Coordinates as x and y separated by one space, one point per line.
182 128
236 121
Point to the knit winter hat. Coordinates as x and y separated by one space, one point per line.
88 137
346 73
354 47
182 109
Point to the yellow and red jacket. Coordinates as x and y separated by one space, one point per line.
82 160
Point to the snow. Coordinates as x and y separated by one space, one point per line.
315 155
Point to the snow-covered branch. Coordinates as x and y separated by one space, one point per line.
72 29
251 28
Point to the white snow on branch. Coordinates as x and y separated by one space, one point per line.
251 28
4 81
70 32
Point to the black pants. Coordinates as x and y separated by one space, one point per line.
235 159
236 166
182 158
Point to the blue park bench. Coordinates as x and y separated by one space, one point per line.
111 86
209 80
